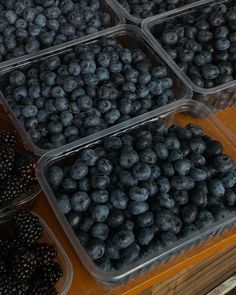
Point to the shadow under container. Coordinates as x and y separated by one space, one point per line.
181 113
25 200
48 237
126 35
135 20
106 6
217 98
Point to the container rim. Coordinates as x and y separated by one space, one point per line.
112 277
149 23
122 29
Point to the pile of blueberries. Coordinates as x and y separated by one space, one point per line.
146 8
84 91
203 44
135 194
29 25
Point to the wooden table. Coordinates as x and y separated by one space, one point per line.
194 273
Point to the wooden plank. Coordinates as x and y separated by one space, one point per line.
225 288
200 278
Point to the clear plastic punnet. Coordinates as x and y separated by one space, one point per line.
131 18
64 283
181 113
26 199
217 98
127 35
106 6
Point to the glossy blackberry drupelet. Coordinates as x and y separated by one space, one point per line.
203 44
144 9
68 97
161 183
29 26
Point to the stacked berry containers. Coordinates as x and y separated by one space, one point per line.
39 26
180 113
139 11
217 48
126 36
26 199
48 237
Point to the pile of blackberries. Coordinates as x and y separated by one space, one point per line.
134 194
146 8
203 44
27 267
94 86
29 25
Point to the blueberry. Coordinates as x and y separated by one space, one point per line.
104 167
89 156
116 218
161 151
79 170
204 219
84 102
180 183
189 214
123 239
74 219
95 249
223 163
163 184
99 231
64 203
199 197
229 198
165 200
169 37
138 207
111 251
86 223
164 220
112 116
128 159
145 219
182 167
69 185
100 196
130 254
127 179
198 174
55 176
144 236
188 229
141 171
197 145
168 238
216 188
180 197
119 199
99 213
138 194
17 78
172 143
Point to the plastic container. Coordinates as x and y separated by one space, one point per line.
107 6
178 113
64 283
138 20
127 35
217 98
26 200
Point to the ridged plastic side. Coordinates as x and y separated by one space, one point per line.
179 113
217 98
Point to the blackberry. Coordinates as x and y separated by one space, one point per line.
45 253
7 137
11 189
25 164
7 157
49 273
3 269
6 246
11 286
41 289
23 264
27 227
